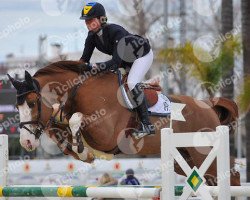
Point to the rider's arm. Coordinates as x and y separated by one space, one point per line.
117 34
88 49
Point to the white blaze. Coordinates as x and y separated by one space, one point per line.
25 136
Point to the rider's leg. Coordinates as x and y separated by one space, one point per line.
137 73
142 109
139 69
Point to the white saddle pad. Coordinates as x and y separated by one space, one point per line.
163 106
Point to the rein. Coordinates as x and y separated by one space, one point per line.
40 126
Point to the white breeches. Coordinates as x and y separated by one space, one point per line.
139 69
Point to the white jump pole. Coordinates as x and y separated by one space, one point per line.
4 158
169 153
167 160
223 163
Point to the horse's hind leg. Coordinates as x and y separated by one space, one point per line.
235 175
77 144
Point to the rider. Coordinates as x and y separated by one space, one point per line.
127 50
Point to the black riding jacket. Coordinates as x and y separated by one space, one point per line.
114 40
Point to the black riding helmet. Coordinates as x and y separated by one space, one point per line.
130 172
93 10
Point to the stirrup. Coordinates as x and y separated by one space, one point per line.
150 130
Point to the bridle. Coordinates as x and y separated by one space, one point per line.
38 122
40 126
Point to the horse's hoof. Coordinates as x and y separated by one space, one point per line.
90 158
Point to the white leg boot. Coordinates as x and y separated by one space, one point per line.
77 144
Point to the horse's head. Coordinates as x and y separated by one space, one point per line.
29 107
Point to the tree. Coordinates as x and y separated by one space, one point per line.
208 73
227 27
145 17
183 88
244 97
245 7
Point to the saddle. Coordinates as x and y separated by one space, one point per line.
150 90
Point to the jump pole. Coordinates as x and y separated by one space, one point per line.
168 189
4 158
195 182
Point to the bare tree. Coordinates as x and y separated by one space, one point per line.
183 88
245 6
146 15
227 27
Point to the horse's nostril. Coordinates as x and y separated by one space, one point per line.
29 144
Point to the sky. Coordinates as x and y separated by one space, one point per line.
22 21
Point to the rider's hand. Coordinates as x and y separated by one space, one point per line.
85 67
94 66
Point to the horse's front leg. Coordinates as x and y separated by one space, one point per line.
77 143
69 151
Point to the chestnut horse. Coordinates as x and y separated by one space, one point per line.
92 99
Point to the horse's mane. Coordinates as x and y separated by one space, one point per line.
59 67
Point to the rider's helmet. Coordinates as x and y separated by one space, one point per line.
129 172
94 10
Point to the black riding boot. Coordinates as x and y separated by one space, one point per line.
146 127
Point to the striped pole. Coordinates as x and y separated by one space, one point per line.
105 192
79 191
4 157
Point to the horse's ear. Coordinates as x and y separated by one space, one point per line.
28 78
13 81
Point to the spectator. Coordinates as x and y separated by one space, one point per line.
130 179
107 180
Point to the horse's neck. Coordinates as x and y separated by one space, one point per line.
52 91
59 77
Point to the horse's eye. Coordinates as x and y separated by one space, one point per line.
31 104
16 106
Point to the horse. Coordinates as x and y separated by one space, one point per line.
92 98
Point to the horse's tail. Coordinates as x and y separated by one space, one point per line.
227 111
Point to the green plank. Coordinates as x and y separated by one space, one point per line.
79 191
30 191
178 190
